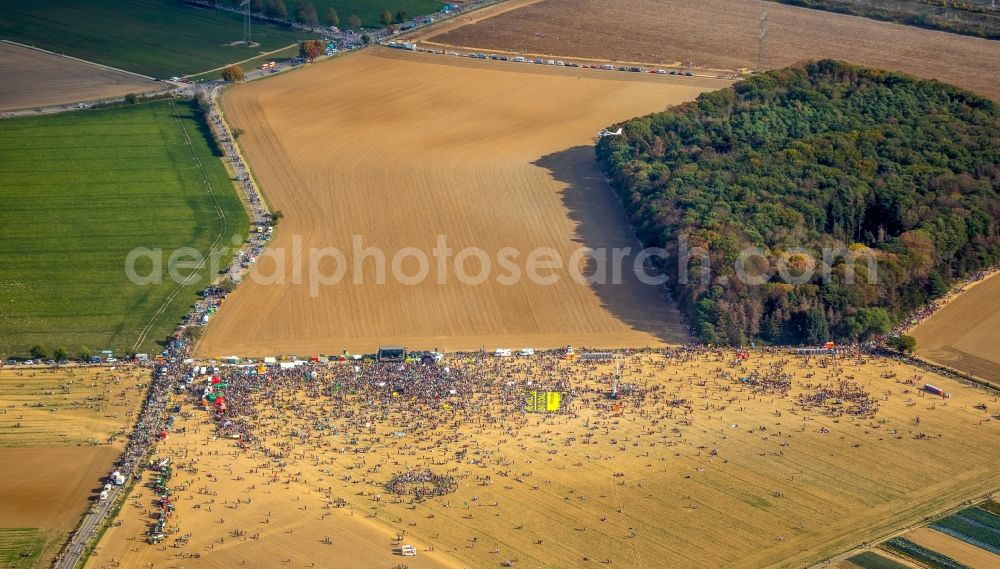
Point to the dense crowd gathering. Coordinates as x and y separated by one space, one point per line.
256 403
844 398
261 216
421 484
419 429
148 429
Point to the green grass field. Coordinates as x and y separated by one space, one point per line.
22 548
280 57
160 38
80 191
370 11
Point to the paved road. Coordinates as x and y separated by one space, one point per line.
142 442
72 553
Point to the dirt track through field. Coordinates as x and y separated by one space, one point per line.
965 334
723 34
397 149
33 78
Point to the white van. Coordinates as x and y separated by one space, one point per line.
503 353
526 352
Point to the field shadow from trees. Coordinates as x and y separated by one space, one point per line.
601 224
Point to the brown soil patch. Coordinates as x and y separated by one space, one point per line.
400 148
49 487
965 334
723 34
32 78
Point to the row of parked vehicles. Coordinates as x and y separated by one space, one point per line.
507 353
557 62
139 358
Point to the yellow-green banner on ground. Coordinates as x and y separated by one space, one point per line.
543 401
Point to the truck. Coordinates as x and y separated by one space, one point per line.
936 390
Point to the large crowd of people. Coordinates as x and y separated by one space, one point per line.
424 430
256 403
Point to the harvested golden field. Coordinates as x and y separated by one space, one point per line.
802 461
399 151
33 78
970 555
965 333
722 34
61 430
69 406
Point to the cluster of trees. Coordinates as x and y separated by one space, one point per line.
900 172
132 99
305 13
41 352
311 49
388 19
233 73
902 343
302 12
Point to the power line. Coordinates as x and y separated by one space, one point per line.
246 21
762 42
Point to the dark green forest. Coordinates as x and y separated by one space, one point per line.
870 164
